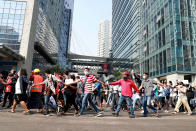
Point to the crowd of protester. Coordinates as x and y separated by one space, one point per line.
62 93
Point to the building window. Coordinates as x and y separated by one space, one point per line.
11 23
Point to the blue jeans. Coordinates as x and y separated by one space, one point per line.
115 100
109 99
147 102
79 99
64 98
47 103
88 97
137 101
129 101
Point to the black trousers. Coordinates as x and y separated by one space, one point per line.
71 100
9 96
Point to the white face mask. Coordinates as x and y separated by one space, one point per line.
86 73
144 77
179 86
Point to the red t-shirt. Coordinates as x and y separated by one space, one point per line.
126 87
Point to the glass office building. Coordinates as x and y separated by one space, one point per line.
158 36
168 50
53 32
11 23
17 29
126 30
63 47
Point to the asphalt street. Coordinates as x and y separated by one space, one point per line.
37 122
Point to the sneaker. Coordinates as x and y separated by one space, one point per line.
80 114
115 115
157 114
100 114
132 116
76 114
185 112
142 111
46 113
174 112
38 110
189 114
27 113
144 115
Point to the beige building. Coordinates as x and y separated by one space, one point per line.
105 38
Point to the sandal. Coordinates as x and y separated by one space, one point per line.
174 112
27 113
12 111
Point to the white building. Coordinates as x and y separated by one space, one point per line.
105 38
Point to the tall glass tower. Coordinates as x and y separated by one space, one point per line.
126 30
168 49
158 36
53 32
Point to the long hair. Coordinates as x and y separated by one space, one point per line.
23 72
73 77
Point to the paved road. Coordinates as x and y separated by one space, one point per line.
38 122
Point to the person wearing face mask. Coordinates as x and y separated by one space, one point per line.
87 87
182 99
126 93
50 88
148 86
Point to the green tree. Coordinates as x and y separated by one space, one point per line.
118 75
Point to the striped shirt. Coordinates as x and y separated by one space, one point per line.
89 83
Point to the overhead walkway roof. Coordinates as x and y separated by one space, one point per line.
6 52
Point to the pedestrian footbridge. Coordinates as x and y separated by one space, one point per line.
99 65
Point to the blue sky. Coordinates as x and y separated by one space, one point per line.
87 16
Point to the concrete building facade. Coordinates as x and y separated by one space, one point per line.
105 38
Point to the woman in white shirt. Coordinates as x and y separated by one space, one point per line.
20 91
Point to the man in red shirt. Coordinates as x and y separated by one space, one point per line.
126 93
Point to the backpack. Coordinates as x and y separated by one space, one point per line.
82 86
54 82
167 92
190 93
